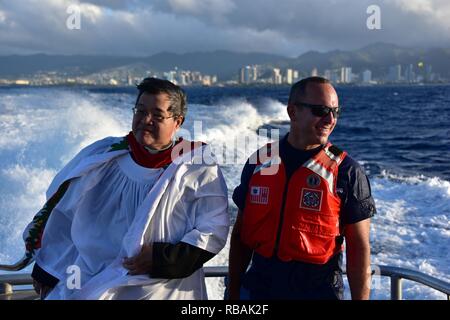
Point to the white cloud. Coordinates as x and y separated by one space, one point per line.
435 12
92 12
2 17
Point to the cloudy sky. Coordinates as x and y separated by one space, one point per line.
286 27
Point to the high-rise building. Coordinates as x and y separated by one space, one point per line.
206 80
429 73
332 75
289 76
395 73
244 75
248 74
254 73
410 75
296 76
276 76
366 76
346 75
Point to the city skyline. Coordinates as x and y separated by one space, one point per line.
375 64
247 75
282 27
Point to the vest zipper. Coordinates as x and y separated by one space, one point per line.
283 204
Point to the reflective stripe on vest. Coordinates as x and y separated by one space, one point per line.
310 219
323 169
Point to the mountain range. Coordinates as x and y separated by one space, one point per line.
225 64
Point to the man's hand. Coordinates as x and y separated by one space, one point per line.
140 263
41 290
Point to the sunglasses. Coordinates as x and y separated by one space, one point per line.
320 110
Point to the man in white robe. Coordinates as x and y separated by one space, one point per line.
133 217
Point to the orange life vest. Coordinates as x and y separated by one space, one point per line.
296 219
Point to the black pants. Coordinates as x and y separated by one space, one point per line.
272 279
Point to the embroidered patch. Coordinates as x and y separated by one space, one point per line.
311 199
313 180
259 195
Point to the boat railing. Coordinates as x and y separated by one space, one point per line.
13 284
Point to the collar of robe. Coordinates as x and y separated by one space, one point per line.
150 160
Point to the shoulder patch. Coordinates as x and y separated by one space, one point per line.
335 150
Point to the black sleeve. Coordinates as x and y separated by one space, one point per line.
354 190
43 277
241 190
171 261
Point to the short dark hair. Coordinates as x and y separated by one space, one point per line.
298 90
177 96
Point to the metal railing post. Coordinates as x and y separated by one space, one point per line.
396 288
6 288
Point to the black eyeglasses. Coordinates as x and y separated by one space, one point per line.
320 110
158 118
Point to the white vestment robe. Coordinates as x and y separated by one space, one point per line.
113 206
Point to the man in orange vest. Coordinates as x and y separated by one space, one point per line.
297 203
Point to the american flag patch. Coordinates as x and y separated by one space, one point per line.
259 195
311 199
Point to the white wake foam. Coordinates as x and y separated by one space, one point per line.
412 228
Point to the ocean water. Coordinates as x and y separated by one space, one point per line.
401 135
